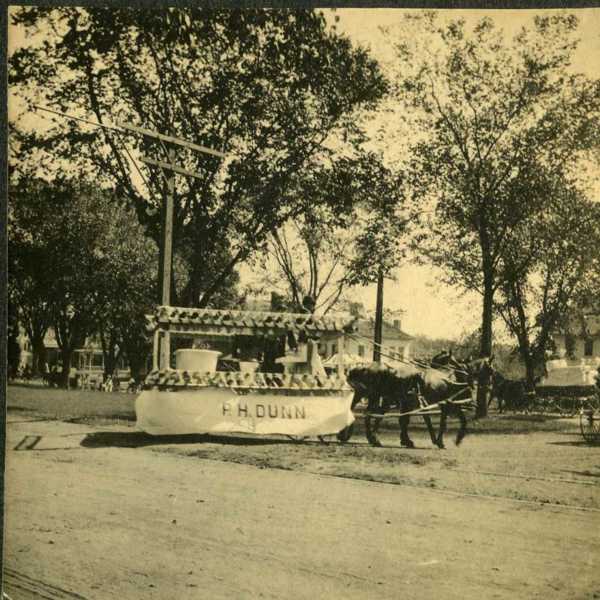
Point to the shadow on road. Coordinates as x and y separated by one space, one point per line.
138 439
582 473
582 443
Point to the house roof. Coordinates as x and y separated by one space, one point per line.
241 322
366 327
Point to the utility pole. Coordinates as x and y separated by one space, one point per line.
166 246
378 318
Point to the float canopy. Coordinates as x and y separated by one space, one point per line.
206 321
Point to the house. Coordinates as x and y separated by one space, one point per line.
87 359
577 353
396 344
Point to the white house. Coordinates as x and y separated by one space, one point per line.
396 344
577 354
89 358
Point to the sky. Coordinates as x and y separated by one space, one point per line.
431 308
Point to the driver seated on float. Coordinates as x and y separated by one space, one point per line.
302 355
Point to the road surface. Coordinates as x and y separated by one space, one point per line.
140 523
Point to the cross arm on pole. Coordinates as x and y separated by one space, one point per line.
173 140
170 167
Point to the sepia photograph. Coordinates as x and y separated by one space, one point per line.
302 303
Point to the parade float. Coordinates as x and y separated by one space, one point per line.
197 397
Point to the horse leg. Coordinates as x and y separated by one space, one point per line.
430 429
345 434
443 416
463 426
375 430
371 431
405 441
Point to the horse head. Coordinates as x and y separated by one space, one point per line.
446 360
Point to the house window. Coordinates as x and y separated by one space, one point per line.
333 349
400 352
588 347
361 350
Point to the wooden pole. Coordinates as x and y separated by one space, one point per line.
341 350
167 264
155 346
378 318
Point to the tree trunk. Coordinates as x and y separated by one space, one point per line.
486 341
529 373
39 355
109 353
66 355
109 362
136 364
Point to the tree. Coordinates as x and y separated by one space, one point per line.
306 258
541 276
126 273
491 118
311 254
13 350
80 264
274 89
30 275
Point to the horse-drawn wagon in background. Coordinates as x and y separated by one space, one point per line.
589 414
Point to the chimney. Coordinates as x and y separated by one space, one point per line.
397 324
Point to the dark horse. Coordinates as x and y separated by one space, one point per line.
510 394
409 388
448 380
386 388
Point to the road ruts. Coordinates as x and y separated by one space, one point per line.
20 586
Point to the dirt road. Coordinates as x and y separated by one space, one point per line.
133 523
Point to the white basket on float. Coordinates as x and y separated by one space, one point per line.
196 359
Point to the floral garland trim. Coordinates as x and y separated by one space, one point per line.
247 380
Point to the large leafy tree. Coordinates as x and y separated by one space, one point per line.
52 271
552 259
80 265
490 118
272 89
30 272
126 275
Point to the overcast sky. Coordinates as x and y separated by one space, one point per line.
432 308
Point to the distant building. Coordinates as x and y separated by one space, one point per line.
577 355
396 344
88 358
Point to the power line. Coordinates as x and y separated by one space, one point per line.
66 116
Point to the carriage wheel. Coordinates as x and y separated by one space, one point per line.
589 421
